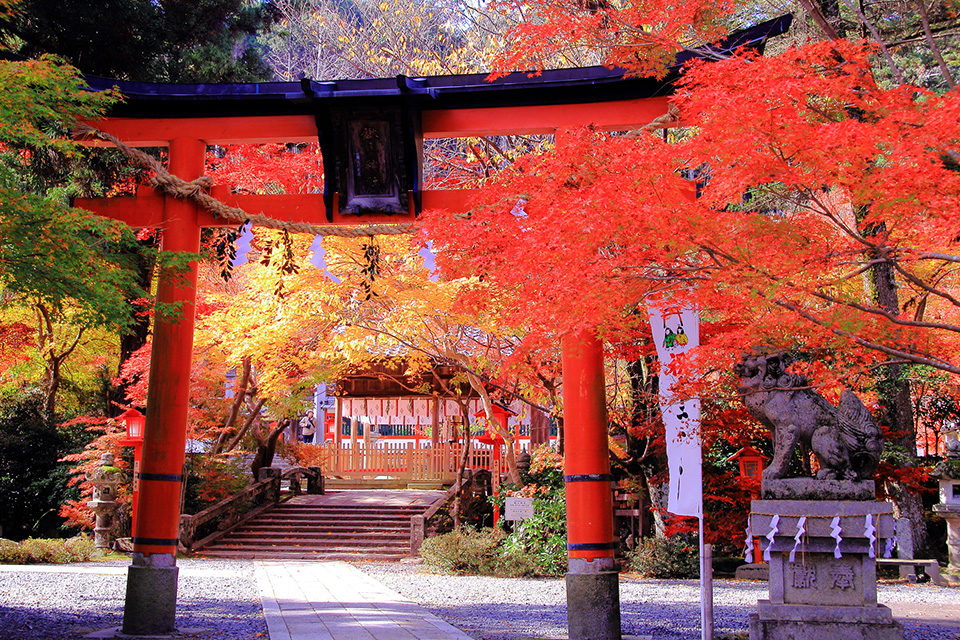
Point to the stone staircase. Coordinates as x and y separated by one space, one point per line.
330 530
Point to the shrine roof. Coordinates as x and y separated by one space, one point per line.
560 86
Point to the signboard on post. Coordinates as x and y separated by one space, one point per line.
518 508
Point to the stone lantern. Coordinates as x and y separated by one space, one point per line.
948 471
104 503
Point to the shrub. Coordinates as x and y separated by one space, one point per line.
543 538
462 551
211 479
675 557
45 550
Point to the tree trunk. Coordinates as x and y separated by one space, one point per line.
267 448
647 450
896 411
239 395
139 331
465 412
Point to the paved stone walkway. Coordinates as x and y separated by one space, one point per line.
335 601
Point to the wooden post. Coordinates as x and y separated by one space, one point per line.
435 455
593 588
337 421
150 605
410 449
435 423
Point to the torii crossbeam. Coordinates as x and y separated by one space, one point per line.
402 112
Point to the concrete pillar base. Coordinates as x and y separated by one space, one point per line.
151 602
593 600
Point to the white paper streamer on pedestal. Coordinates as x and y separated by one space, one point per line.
801 529
888 551
870 532
835 530
773 532
748 555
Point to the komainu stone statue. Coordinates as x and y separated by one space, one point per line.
846 440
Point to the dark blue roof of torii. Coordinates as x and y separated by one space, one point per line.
561 86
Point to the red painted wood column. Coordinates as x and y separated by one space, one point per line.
593 588
150 606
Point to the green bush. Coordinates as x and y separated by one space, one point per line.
543 538
675 557
47 551
462 550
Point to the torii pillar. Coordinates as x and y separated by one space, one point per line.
593 583
151 599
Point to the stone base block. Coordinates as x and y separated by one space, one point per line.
593 606
803 622
816 489
753 571
151 604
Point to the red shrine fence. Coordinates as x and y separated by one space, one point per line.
402 460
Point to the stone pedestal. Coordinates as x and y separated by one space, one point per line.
819 595
593 600
951 514
151 600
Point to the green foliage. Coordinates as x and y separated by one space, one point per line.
674 557
45 550
543 538
462 551
172 41
49 251
468 551
33 483
211 479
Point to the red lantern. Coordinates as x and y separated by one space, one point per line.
751 464
134 422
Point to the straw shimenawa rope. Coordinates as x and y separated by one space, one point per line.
174 186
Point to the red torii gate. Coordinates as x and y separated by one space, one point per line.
188 118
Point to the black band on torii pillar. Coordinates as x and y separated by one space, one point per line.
589 477
161 477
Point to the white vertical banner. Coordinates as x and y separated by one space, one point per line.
675 332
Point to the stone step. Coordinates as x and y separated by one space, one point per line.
332 519
267 530
363 554
296 506
344 513
386 536
273 545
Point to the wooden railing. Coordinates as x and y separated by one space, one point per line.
200 529
401 460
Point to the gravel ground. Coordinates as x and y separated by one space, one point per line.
219 597
506 608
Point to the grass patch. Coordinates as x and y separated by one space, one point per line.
51 551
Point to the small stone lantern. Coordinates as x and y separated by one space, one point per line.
103 503
948 471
